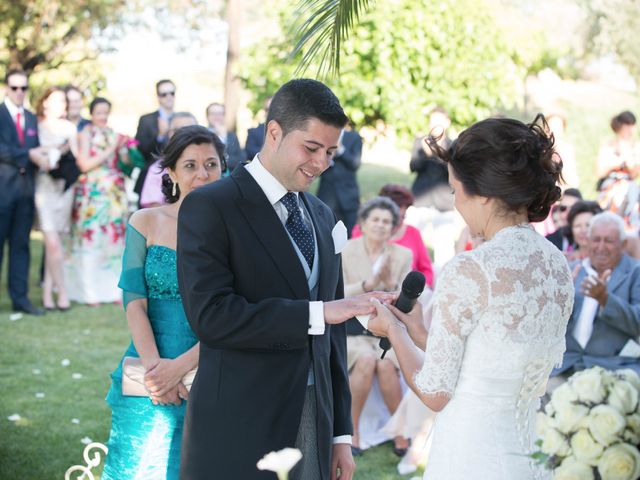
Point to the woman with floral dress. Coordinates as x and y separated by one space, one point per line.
99 213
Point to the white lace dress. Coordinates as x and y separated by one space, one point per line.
500 314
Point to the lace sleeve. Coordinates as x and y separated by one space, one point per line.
461 293
132 279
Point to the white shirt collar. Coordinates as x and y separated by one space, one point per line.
13 108
271 187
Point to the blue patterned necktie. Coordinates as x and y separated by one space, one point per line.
298 229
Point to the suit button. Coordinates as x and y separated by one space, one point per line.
22 170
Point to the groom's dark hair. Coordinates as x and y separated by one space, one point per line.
302 99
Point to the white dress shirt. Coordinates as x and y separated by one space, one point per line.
14 110
584 326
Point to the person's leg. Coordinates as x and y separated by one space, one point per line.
6 219
389 382
54 269
360 382
19 254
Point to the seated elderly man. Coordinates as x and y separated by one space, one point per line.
605 324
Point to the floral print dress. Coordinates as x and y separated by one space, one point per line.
97 234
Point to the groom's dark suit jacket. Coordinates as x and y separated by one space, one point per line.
247 299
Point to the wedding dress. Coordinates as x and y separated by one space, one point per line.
499 318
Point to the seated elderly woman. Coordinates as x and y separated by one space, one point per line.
370 263
605 322
406 235
580 214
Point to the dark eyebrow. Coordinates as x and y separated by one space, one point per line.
320 144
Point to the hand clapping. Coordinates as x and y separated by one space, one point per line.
596 287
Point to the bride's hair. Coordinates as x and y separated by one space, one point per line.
506 159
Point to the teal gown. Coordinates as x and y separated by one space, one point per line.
145 439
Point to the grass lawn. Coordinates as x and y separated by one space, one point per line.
48 437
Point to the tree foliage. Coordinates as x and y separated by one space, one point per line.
613 28
403 58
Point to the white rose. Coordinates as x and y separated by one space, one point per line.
542 423
589 385
606 424
573 469
633 422
630 376
585 448
623 396
554 443
631 436
280 462
562 395
620 462
568 417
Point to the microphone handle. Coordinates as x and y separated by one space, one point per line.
404 304
385 345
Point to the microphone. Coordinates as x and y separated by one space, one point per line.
412 288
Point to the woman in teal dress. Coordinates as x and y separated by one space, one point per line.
146 432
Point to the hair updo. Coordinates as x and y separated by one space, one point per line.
177 144
505 159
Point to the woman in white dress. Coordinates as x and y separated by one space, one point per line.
499 312
54 198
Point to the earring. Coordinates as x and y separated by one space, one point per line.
173 189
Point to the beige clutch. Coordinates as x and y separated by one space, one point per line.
133 378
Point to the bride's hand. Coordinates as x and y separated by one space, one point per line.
414 320
381 320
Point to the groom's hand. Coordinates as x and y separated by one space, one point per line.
342 464
339 311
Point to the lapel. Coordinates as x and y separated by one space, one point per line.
323 227
10 124
620 273
270 232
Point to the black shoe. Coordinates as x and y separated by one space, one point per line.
29 309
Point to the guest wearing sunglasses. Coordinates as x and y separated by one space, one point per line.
154 127
20 158
562 237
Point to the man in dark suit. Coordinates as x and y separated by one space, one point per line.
605 324
20 158
255 136
338 184
215 119
259 273
153 128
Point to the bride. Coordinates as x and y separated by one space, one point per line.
499 312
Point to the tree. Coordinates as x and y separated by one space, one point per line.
403 58
44 35
612 29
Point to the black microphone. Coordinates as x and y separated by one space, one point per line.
412 288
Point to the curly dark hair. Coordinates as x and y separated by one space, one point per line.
184 137
506 159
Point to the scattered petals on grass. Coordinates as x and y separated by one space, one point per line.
76 376
14 418
40 395
86 440
36 371
75 420
86 332
65 362
15 316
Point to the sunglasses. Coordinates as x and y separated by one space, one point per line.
15 88
166 94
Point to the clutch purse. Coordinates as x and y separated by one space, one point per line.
133 378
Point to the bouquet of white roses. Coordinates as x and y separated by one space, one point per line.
590 430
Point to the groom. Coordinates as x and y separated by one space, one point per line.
259 272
